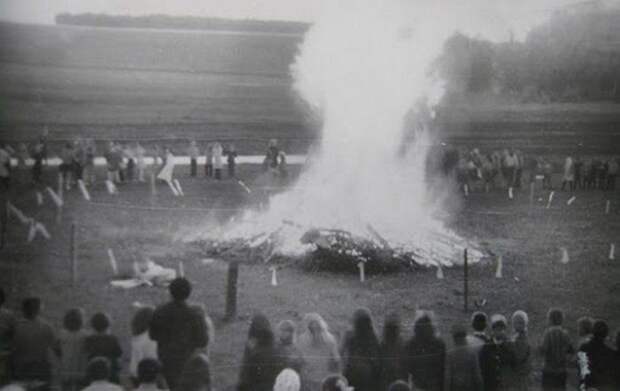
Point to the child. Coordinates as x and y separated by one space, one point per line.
556 348
103 344
142 346
287 351
192 151
70 350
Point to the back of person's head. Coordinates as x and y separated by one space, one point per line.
73 319
459 333
362 324
100 322
31 307
141 320
148 370
423 327
399 385
479 321
555 316
498 321
584 326
600 330
260 330
286 332
287 380
519 321
98 369
335 383
180 289
196 374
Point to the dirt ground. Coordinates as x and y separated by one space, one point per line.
527 237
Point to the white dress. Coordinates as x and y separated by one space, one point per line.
168 170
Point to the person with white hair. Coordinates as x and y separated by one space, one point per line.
522 352
320 351
287 380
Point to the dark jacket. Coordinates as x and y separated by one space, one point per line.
495 358
105 345
361 362
259 368
601 360
425 361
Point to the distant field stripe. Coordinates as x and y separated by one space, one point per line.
181 160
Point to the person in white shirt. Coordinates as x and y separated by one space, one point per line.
99 371
142 346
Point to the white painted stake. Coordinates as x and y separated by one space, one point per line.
39 227
466 189
500 264
564 258
55 197
174 190
550 200
274 276
39 198
177 184
113 263
60 187
360 266
510 194
439 272
153 188
181 269
32 232
612 251
18 213
136 270
110 186
607 207
245 187
571 200
83 189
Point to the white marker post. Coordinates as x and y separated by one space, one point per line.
113 263
612 251
181 269
607 207
564 259
360 266
500 264
17 213
439 272
571 200
510 194
245 187
39 227
55 197
83 189
60 186
153 187
111 187
177 184
466 189
550 200
274 276
32 232
39 198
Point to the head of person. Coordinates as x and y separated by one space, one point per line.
479 321
73 319
180 289
423 327
555 317
362 324
459 334
600 330
335 383
584 326
100 322
519 322
498 326
98 369
391 328
399 385
148 371
287 380
315 330
31 307
141 320
286 332
196 374
260 330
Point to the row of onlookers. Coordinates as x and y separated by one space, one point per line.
169 349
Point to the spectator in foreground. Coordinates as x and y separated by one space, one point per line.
286 349
399 385
178 330
70 351
391 351
479 336
33 340
99 372
584 328
260 366
7 325
360 353
617 359
192 152
287 380
601 358
103 344
196 375
142 346
149 371
556 348
462 366
335 383
522 352
497 356
320 351
425 355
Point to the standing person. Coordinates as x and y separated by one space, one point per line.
113 163
7 327
391 351
511 164
99 371
425 355
33 340
37 167
320 351
286 349
613 167
217 160
259 366
79 159
67 164
166 174
569 174
578 169
142 346
89 165
547 169
209 161
192 152
601 358
282 166
129 155
196 375
462 365
522 353
231 155
22 155
479 336
360 353
140 152
70 351
271 157
5 167
103 344
178 330
555 348
497 356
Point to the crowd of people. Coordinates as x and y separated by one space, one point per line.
511 169
169 349
125 162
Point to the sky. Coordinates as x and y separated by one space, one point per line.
516 15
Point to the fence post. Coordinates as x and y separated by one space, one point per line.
231 291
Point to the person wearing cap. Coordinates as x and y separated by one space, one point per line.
497 356
462 365
178 329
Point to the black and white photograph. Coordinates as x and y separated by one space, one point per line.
309 195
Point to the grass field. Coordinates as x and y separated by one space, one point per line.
528 239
